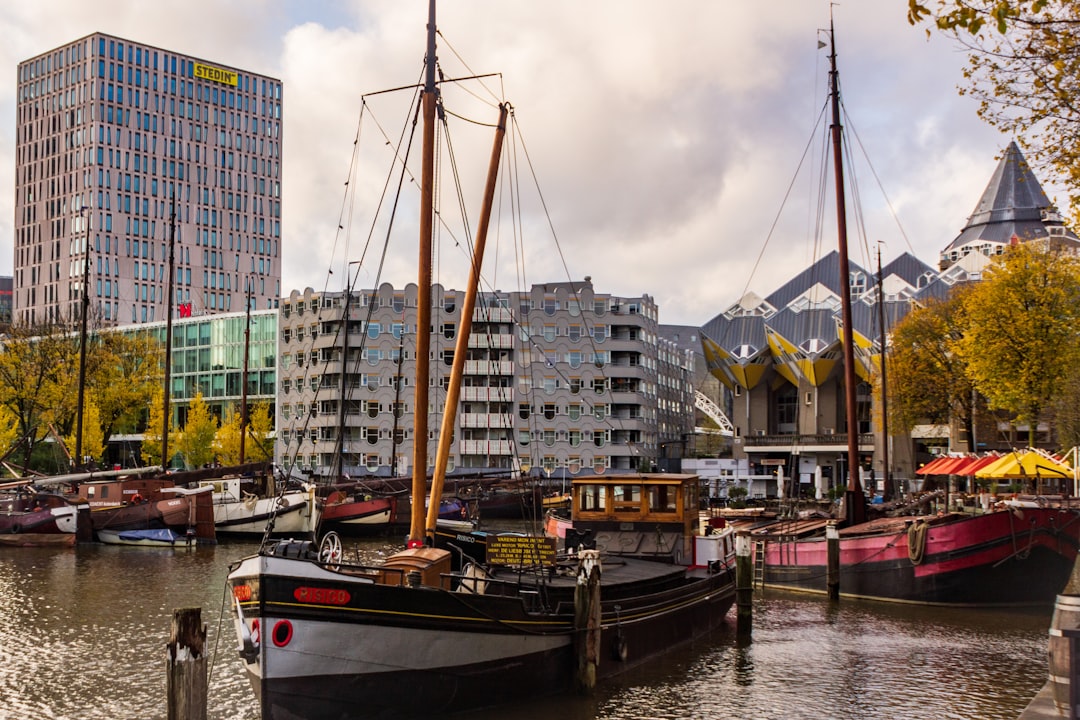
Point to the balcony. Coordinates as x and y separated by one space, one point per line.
819 441
497 342
486 420
487 394
485 447
489 367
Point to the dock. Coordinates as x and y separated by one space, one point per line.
1042 706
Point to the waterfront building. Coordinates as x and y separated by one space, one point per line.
1013 209
560 379
111 135
780 356
208 357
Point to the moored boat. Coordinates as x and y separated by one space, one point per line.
148 538
1006 556
322 637
29 517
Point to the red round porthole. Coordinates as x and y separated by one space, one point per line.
282 633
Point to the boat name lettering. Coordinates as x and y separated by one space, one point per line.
208 72
520 550
322 596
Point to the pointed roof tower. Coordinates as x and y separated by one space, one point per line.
1012 209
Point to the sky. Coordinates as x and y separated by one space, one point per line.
667 140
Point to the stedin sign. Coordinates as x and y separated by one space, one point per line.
207 72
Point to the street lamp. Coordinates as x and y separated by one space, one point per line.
82 338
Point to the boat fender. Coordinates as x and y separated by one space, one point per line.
619 649
282 503
249 501
16 529
255 636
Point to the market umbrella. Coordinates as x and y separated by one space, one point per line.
1026 465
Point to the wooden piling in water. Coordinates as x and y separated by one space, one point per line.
587 619
832 567
744 584
185 663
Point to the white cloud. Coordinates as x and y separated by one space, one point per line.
664 135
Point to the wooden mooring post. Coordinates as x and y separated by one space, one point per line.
744 584
185 666
587 619
832 567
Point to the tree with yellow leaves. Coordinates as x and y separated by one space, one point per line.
93 441
1022 333
257 444
34 387
1023 62
196 441
151 444
928 380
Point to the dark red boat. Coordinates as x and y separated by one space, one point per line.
28 517
1011 556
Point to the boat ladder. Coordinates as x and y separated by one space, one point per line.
759 564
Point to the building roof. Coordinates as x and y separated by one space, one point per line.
1013 208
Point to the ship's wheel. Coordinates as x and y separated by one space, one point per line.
330 550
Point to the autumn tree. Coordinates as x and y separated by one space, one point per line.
1023 330
258 447
151 444
928 380
1023 65
125 375
196 442
33 365
93 441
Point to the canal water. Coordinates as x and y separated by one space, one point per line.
83 633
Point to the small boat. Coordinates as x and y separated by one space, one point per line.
148 538
29 517
279 513
355 512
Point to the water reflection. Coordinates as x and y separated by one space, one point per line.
86 629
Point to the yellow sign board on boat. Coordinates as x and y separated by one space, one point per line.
520 550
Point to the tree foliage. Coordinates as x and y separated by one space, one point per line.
125 376
258 447
151 444
1024 70
196 442
33 366
93 441
928 378
1022 330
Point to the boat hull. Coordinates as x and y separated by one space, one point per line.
1009 557
291 513
330 642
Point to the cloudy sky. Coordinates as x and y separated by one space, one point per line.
664 136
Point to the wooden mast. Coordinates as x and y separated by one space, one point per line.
84 301
854 501
244 377
423 295
888 493
461 346
166 411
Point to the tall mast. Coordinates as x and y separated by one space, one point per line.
165 417
888 492
85 303
461 348
423 295
854 501
244 377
